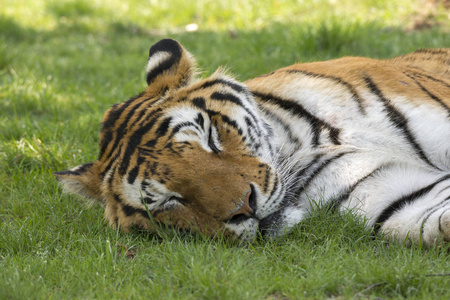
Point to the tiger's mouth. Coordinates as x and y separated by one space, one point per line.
255 228
266 226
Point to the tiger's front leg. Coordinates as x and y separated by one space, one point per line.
282 221
405 203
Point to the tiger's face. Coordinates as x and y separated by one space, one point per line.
191 154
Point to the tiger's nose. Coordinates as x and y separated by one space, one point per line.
245 208
248 207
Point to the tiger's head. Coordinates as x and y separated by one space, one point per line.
189 153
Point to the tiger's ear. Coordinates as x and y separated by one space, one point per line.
169 66
82 180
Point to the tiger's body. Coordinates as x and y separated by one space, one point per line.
216 155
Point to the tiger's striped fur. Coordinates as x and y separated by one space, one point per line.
215 154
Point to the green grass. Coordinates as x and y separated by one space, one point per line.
63 63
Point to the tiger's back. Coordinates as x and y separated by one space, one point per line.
215 154
372 101
435 62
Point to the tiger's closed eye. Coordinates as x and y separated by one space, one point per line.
171 202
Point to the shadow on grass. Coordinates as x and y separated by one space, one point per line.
243 50
106 62
11 31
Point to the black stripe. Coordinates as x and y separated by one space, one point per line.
286 128
431 95
440 223
211 142
334 135
151 143
249 123
166 45
444 189
253 135
398 120
120 132
180 126
144 115
117 198
300 173
143 152
200 121
415 75
105 140
250 130
431 211
242 90
335 203
130 210
430 51
110 162
274 188
134 142
163 126
297 109
253 127
304 186
338 80
401 202
111 178
199 102
237 87
232 123
81 169
140 118
133 174
436 80
266 179
116 110
114 114
148 200
233 99
156 212
227 97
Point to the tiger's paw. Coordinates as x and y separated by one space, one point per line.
444 225
282 221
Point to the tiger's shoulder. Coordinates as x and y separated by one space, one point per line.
422 77
435 62
432 61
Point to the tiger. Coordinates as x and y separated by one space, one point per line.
252 159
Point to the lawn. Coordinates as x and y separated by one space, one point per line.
63 63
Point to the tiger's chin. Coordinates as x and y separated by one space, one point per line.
268 228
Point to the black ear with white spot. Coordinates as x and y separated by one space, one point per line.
169 66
